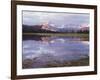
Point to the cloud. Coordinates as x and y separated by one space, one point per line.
59 19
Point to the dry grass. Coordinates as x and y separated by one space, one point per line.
81 62
60 34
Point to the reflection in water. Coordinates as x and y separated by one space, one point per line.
44 51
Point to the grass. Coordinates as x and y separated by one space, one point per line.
60 34
27 63
80 62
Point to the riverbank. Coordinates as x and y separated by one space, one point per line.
59 34
28 63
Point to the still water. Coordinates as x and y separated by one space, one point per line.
39 51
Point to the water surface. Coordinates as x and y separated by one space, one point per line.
44 51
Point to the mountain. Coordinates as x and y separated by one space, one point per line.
84 28
35 28
48 28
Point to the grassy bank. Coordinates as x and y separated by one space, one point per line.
59 34
80 62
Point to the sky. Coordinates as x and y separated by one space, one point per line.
56 19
